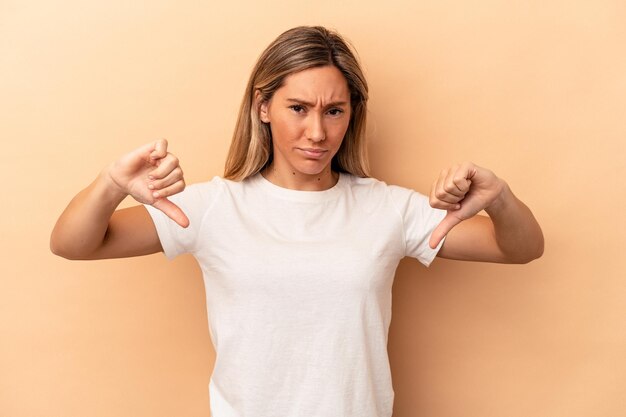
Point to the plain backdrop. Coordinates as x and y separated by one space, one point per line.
535 91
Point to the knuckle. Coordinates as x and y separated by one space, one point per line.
440 194
449 187
176 187
171 190
460 183
157 174
162 183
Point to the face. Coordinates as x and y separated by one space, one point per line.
308 117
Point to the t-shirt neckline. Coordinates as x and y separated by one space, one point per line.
299 195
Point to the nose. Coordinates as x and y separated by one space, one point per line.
315 128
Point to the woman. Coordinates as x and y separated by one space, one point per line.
297 245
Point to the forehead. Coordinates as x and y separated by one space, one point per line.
321 83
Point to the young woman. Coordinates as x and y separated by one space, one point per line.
297 244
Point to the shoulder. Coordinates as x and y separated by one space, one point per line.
197 198
364 184
220 185
402 199
201 190
375 187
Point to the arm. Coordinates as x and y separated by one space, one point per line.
90 228
509 235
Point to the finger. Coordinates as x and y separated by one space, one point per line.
439 198
442 205
461 182
468 169
172 211
453 184
175 188
443 194
143 152
443 229
160 149
165 166
171 178
464 176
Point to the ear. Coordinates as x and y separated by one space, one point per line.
262 106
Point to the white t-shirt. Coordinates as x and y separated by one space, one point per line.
298 290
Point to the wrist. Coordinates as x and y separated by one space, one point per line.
110 189
502 200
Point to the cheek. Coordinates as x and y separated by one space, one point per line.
284 132
339 131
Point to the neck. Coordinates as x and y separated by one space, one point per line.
294 180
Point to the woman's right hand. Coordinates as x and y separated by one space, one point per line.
150 174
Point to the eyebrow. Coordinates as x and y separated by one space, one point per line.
307 103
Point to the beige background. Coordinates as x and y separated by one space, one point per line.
536 91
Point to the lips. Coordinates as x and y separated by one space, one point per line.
314 153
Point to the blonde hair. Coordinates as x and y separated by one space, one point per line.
296 50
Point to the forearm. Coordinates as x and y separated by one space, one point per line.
517 232
82 226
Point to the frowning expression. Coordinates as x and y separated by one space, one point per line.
308 117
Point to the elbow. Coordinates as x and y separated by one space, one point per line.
538 249
70 256
528 258
59 249
531 254
55 247
56 244
72 247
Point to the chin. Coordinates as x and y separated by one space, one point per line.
314 168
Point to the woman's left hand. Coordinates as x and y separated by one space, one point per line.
463 190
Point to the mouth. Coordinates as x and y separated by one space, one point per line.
314 153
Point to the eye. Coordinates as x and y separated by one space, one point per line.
335 112
297 108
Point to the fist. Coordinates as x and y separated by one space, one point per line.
463 190
150 174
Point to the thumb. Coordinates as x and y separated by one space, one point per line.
144 151
443 228
172 211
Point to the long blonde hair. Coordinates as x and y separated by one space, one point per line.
295 50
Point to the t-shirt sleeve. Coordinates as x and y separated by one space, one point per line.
419 221
194 201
